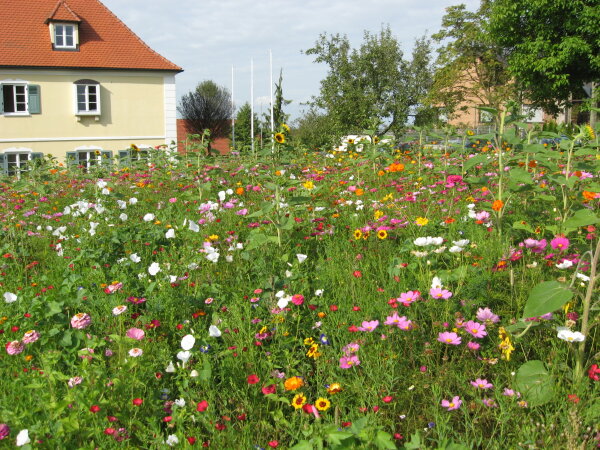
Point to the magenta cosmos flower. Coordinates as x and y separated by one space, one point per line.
406 298
449 337
349 361
440 293
369 325
452 404
560 243
480 383
475 329
14 347
81 321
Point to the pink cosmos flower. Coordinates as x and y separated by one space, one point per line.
486 315
394 319
369 325
560 243
452 404
481 383
406 298
14 347
475 329
473 346
81 321
534 245
440 293
351 348
405 324
74 381
349 361
135 333
449 337
30 337
136 352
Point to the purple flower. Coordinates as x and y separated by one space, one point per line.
4 431
369 325
449 337
475 329
480 383
452 404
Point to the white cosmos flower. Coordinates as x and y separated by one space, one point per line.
461 243
23 438
436 283
135 258
188 341
582 277
213 256
122 204
221 195
455 249
170 368
437 240
570 336
123 217
154 268
229 258
565 264
9 297
149 217
301 257
133 201
420 241
193 226
172 440
105 191
180 402
101 184
213 331
170 234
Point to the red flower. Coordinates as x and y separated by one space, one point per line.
273 444
353 329
573 398
387 399
191 440
253 379
357 274
346 424
109 431
333 308
167 419
94 408
241 417
220 426
137 402
594 372
202 406
270 389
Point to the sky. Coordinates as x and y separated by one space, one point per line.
207 37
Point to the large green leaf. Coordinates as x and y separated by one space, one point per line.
546 297
535 383
475 160
582 218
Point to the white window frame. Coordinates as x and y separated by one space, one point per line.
14 84
92 156
18 166
63 35
86 93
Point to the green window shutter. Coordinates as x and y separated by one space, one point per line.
124 158
3 167
106 157
34 101
1 99
71 159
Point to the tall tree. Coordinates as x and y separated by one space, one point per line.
243 127
208 107
279 116
313 130
363 85
553 47
470 68
420 80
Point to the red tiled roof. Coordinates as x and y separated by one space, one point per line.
62 13
104 41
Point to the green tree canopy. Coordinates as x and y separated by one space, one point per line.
208 107
552 47
243 127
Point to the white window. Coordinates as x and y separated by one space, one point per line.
14 98
14 161
87 97
64 36
87 157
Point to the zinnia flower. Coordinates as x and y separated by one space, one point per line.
14 347
81 321
135 333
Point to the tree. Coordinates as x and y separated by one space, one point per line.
208 107
470 68
420 81
313 130
279 116
364 85
552 47
243 127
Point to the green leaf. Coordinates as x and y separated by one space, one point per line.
519 225
546 197
206 372
546 297
336 437
535 383
582 218
415 442
384 441
475 160
66 340
519 175
586 151
302 445
54 308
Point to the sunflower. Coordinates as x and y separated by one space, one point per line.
280 138
298 401
376 140
382 234
285 127
357 234
322 404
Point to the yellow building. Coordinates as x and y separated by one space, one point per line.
78 84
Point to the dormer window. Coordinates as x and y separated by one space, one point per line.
64 36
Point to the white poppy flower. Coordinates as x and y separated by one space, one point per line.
149 217
133 201
184 356
283 301
9 297
301 257
135 258
170 234
565 264
213 331
193 226
154 268
101 184
23 438
170 368
123 217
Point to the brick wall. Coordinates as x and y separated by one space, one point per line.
183 129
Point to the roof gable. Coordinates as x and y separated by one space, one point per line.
62 13
105 42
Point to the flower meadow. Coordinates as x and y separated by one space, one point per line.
415 298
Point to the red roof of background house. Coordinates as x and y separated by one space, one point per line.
104 41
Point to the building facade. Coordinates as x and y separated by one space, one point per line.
78 84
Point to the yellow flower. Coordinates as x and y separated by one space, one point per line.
505 344
313 351
299 401
421 221
309 341
382 234
285 127
322 404
334 388
357 234
308 185
213 237
378 214
280 138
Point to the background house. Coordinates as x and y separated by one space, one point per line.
76 81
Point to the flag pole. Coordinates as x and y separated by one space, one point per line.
232 112
271 84
252 104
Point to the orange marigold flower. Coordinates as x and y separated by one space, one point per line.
293 383
497 205
587 195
